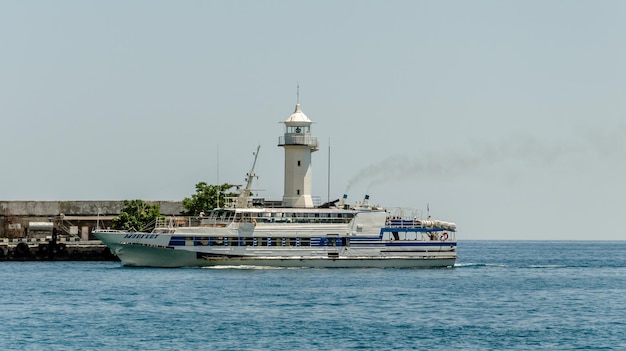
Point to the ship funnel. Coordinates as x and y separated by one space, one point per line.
343 203
366 201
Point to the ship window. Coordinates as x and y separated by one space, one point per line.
189 241
305 241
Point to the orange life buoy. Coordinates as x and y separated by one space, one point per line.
444 237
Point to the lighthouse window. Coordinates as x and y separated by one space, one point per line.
298 191
298 163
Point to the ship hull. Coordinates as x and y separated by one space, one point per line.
153 252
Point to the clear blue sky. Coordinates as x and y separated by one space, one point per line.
506 117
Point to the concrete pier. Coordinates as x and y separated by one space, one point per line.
65 249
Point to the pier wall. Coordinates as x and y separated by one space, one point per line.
74 218
77 208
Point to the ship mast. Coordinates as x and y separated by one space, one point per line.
242 199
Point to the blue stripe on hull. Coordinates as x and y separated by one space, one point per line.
410 229
435 243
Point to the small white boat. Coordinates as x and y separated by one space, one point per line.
250 232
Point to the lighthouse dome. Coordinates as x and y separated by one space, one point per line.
298 118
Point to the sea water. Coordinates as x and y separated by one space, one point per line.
501 295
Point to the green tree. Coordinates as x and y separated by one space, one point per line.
137 214
207 197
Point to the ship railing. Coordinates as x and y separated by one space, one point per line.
196 221
403 223
222 221
255 201
322 220
411 218
407 215
176 221
109 230
251 201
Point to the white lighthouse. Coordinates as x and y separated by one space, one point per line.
298 144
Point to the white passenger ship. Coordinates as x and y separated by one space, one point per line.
248 231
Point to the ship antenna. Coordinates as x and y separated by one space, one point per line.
328 179
242 200
217 167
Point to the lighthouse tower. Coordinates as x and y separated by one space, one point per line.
298 144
